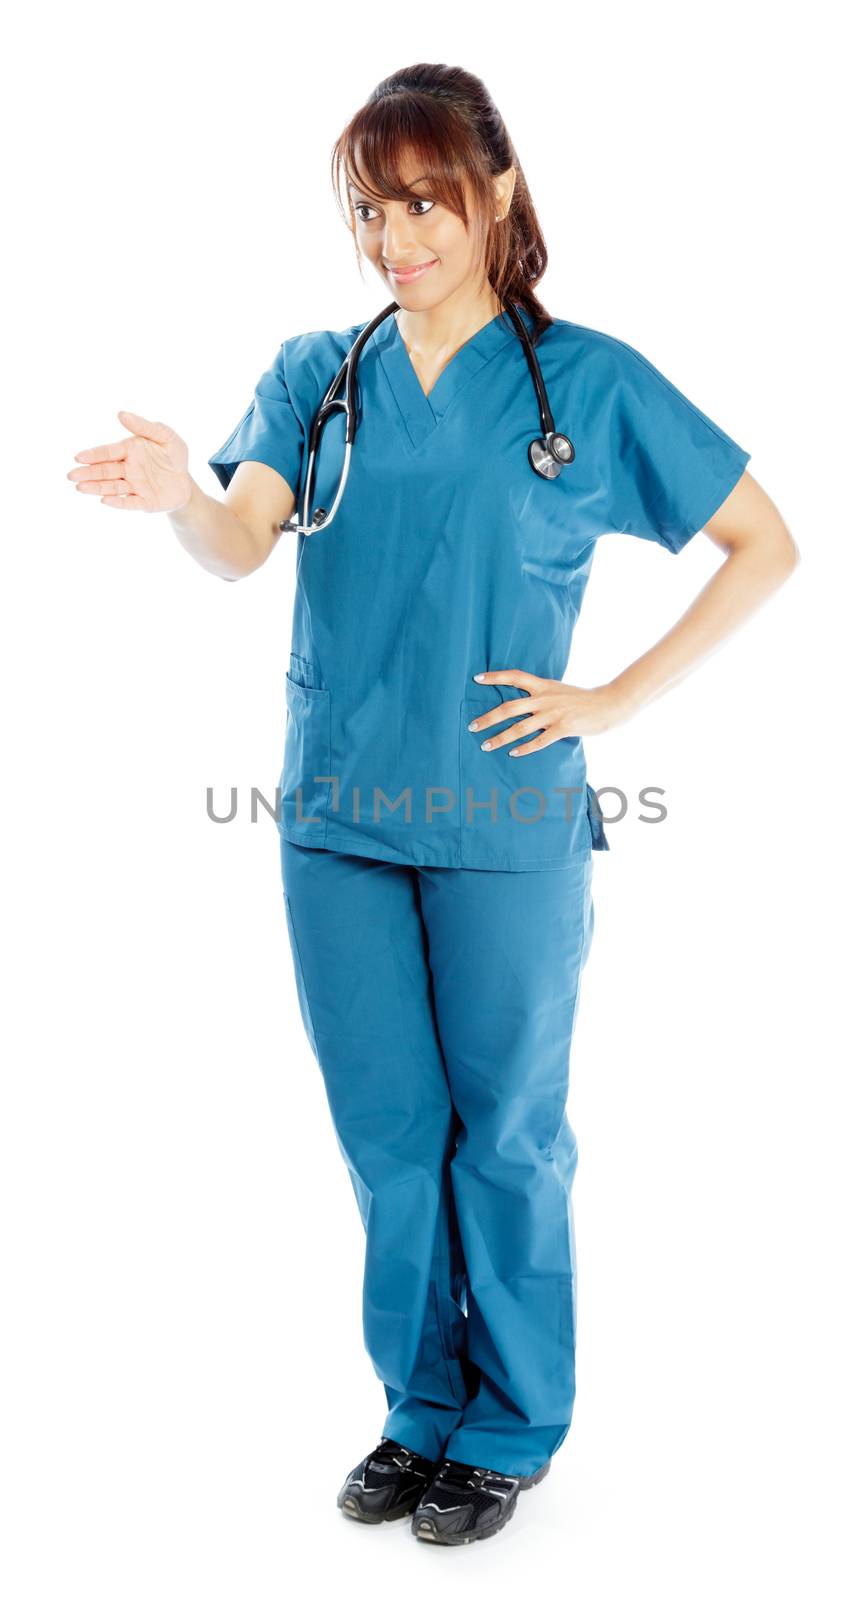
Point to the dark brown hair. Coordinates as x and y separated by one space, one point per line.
447 117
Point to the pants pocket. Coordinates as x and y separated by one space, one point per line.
305 783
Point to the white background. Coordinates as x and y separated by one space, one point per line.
184 1380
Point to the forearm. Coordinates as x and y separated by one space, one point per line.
741 584
214 536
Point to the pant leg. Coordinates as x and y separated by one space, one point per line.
364 988
506 950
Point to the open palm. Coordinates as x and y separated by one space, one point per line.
145 472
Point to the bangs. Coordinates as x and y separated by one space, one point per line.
431 131
398 134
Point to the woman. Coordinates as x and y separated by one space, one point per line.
438 899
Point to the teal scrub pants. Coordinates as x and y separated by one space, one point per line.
439 1003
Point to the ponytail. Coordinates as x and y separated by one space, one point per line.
447 117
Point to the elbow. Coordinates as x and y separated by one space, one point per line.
781 561
773 555
789 556
777 549
785 550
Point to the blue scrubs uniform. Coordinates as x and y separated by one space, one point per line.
438 897
449 556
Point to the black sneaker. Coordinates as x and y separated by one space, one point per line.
464 1503
387 1483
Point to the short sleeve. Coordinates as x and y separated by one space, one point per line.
268 431
670 467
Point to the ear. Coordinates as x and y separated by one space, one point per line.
504 188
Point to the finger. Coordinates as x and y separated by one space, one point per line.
535 744
517 731
105 452
113 486
506 675
502 713
157 431
126 502
120 449
94 472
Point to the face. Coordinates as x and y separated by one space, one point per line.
421 250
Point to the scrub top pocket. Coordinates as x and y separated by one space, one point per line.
596 820
449 556
519 811
304 784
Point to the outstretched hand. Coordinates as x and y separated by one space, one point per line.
145 472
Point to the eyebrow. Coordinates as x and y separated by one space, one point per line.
412 185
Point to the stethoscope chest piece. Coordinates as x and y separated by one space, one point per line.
550 454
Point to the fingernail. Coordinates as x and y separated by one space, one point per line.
479 677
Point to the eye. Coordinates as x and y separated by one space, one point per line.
362 206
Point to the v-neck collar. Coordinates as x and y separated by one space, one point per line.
420 412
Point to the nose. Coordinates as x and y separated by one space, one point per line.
398 239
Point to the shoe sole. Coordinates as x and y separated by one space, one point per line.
432 1535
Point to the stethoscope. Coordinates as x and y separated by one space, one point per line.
547 455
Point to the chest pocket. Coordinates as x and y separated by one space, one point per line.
522 811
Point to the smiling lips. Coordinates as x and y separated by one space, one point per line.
408 274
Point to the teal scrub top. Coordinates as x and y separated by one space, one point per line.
448 556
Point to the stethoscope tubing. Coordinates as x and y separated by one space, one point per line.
546 455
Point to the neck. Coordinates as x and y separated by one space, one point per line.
444 327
